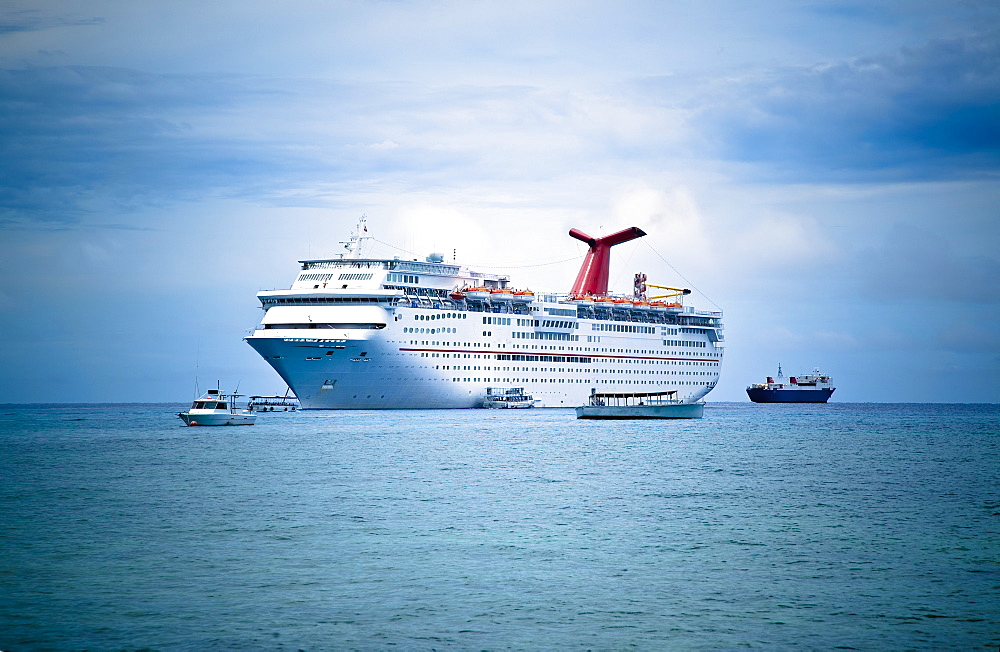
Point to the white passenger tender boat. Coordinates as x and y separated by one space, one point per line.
507 397
217 409
274 403
639 405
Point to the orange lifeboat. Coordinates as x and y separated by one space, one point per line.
524 296
604 302
477 293
501 294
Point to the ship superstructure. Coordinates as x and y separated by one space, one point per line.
378 333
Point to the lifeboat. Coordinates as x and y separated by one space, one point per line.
457 295
640 305
501 294
477 293
657 306
674 307
524 296
582 300
604 303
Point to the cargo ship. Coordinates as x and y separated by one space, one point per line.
807 388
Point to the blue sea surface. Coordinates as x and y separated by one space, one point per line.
850 526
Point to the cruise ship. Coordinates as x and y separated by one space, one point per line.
386 333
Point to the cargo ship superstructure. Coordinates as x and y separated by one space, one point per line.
386 333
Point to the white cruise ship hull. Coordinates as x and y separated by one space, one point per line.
457 357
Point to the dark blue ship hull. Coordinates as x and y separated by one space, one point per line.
761 395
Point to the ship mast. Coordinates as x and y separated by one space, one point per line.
353 243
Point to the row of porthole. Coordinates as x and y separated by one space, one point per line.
442 315
430 331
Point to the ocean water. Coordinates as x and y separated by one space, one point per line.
838 526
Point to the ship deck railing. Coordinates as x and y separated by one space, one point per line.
435 302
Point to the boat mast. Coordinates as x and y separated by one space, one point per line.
353 243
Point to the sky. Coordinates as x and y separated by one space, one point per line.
824 172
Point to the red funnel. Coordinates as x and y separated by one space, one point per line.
593 276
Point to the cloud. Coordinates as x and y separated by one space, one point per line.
916 263
33 20
83 140
782 244
925 112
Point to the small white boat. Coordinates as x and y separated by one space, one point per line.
217 409
639 405
507 398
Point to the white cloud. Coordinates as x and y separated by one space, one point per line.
782 244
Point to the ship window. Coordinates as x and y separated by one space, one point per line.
222 406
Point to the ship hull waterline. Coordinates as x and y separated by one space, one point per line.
760 395
687 411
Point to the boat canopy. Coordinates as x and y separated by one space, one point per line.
635 394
